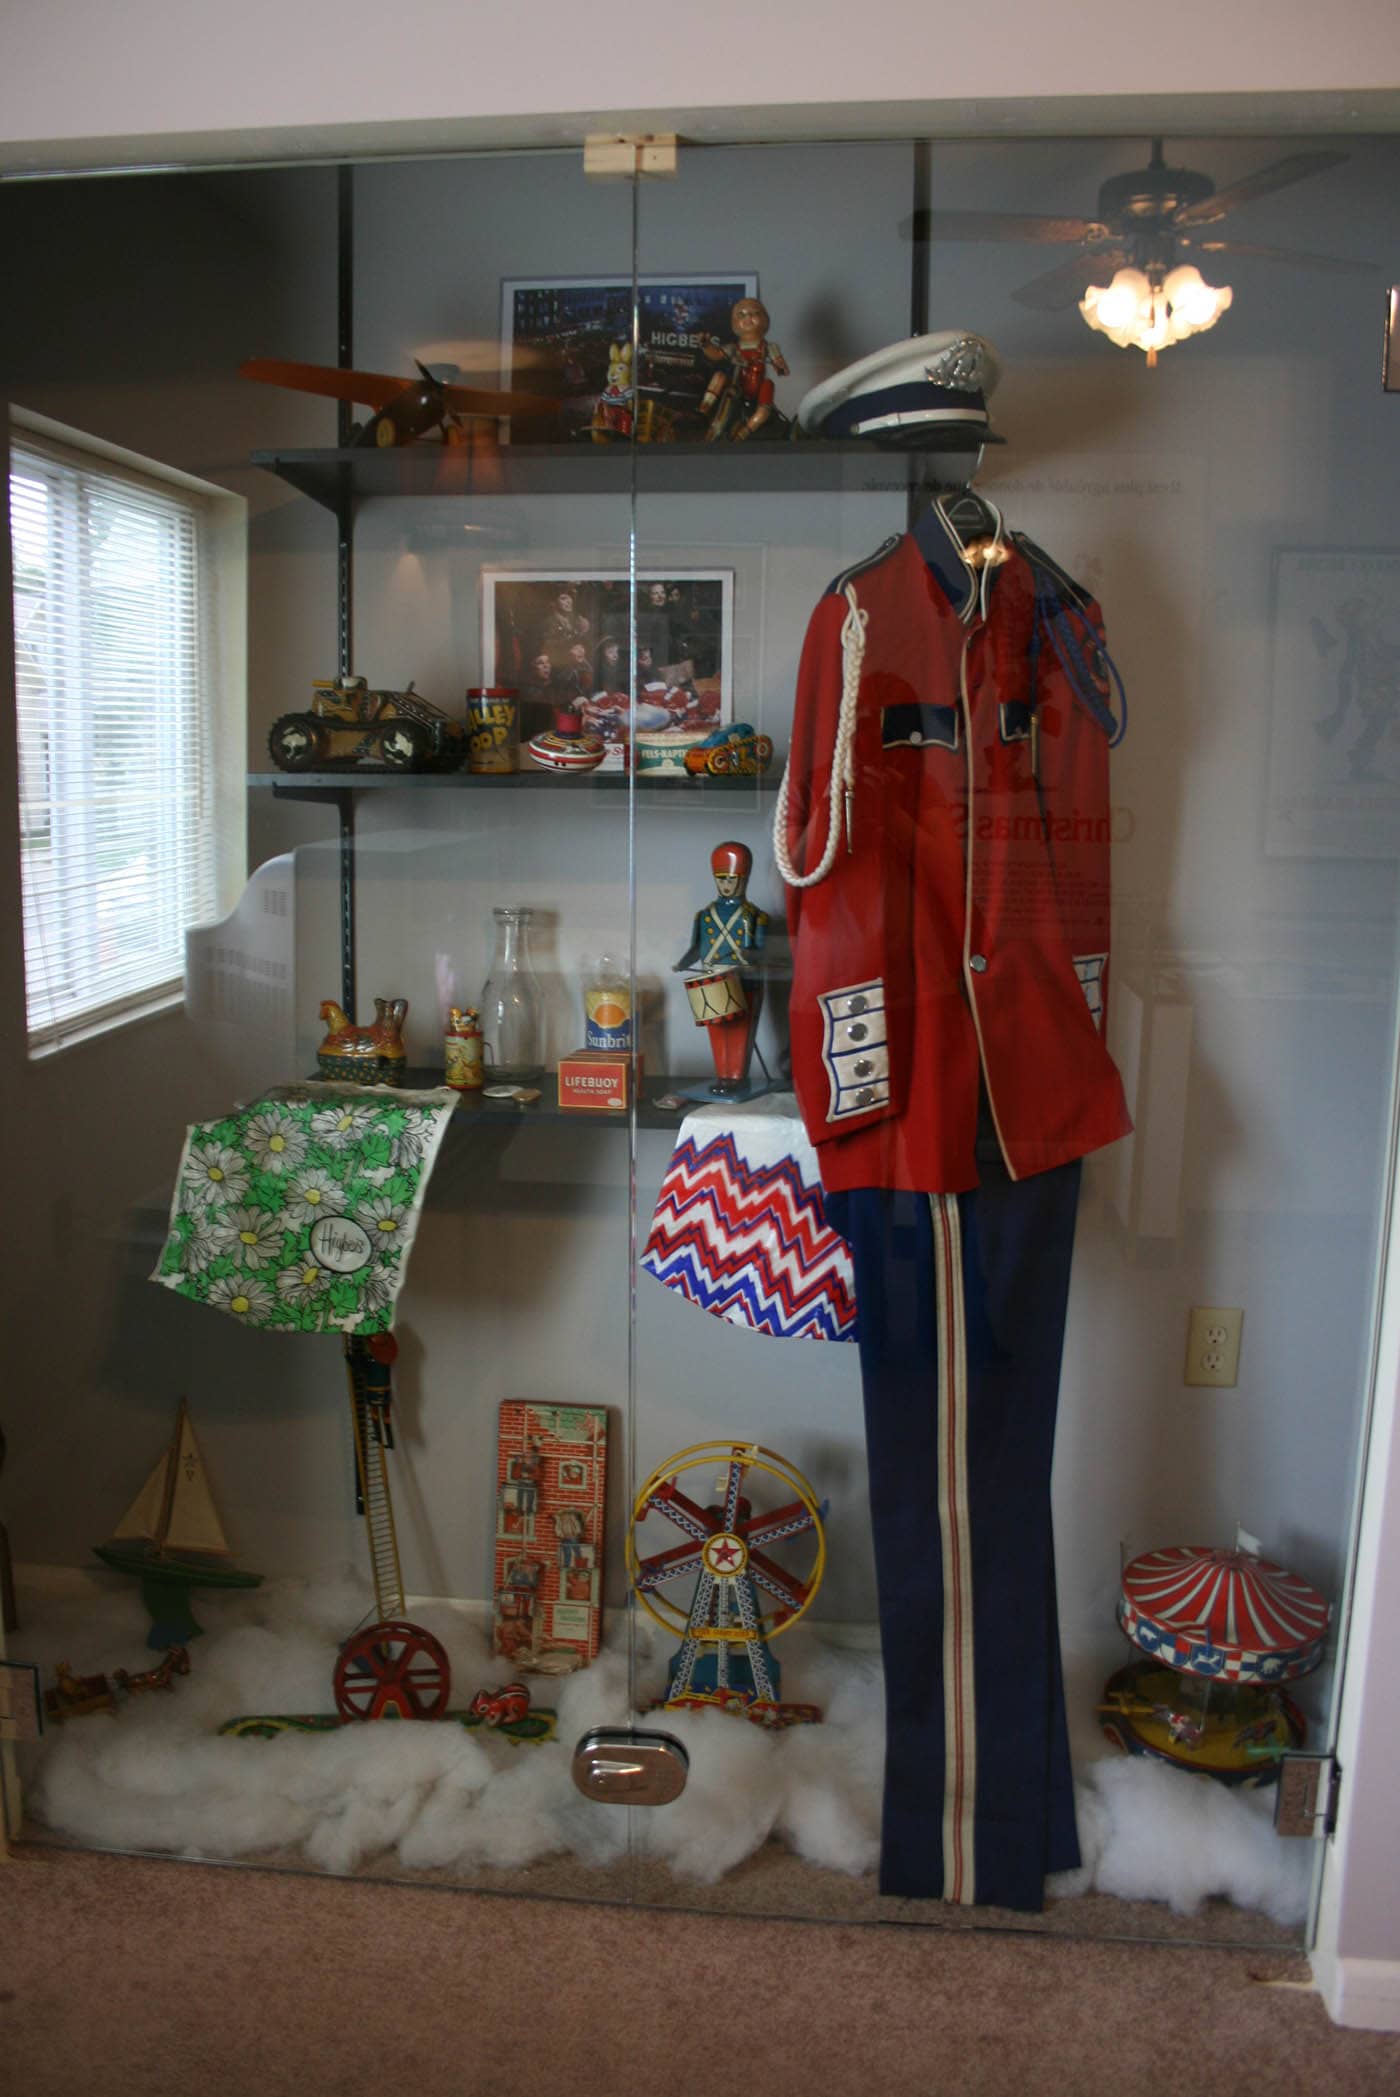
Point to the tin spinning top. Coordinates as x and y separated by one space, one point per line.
566 747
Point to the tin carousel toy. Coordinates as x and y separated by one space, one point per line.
729 1566
1220 1632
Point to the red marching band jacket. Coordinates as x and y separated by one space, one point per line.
944 828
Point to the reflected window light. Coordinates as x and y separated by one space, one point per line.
1148 311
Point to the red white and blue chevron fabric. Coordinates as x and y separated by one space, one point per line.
743 1233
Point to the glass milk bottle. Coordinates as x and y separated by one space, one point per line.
512 1008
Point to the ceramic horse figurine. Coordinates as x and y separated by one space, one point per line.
365 1055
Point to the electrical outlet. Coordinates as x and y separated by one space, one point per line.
1213 1346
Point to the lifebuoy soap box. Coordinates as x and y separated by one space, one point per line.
595 1080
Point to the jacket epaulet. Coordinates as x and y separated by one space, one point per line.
1045 564
871 560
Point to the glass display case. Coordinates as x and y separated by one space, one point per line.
939 809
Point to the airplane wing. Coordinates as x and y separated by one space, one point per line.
371 389
374 389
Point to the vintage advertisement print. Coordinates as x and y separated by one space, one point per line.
1334 730
572 337
565 641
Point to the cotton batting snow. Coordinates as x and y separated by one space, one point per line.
160 1777
1149 1832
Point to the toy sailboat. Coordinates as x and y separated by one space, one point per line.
171 1540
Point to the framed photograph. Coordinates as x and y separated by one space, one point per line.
572 337
1334 721
565 640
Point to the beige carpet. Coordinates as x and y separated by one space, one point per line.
123 1975
773 1885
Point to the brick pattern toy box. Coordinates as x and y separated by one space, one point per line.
551 1493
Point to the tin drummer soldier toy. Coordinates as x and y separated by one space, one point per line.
725 991
741 387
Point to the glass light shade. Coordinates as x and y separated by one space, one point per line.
1120 304
1195 304
1136 314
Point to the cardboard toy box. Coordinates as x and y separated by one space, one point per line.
595 1080
551 1496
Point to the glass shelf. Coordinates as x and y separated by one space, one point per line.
474 1110
337 478
298 785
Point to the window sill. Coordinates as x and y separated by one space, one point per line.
91 1030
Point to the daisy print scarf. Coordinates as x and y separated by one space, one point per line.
297 1213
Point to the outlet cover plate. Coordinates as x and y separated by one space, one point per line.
1213 1346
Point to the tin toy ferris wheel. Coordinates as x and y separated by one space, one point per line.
741 1594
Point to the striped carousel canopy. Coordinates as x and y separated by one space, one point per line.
1222 1613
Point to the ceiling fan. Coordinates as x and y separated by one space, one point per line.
1152 223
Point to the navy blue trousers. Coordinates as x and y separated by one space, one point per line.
962 1315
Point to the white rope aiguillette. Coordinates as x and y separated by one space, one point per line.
842 788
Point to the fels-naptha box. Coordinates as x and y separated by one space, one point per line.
594 1079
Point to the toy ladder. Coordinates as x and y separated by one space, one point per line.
369 1413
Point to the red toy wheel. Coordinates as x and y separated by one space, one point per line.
392 1670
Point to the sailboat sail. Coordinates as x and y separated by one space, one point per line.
142 1518
175 1508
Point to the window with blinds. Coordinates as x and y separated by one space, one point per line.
112 649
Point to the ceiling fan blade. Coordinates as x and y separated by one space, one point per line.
1277 176
997 225
1068 282
1338 264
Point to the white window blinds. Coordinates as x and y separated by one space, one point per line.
117 830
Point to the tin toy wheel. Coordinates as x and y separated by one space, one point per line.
392 1670
297 742
729 1554
404 745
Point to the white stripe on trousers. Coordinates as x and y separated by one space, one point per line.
955 1529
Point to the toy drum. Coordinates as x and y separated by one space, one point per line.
716 995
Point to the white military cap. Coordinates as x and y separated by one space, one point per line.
929 392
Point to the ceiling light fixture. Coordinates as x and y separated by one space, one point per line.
1148 310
